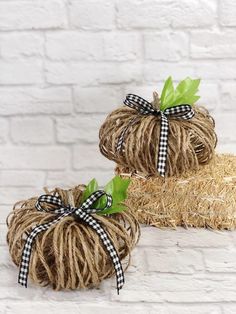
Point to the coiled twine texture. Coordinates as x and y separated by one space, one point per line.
69 255
190 142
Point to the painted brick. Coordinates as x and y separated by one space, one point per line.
21 178
97 99
148 14
225 123
227 12
194 14
177 288
163 14
17 15
68 179
35 100
74 308
74 46
89 157
222 70
4 130
37 130
92 15
26 157
92 74
226 148
228 94
159 71
3 233
121 46
160 46
4 211
90 46
176 260
18 44
190 238
11 195
21 72
224 45
220 260
83 127
210 96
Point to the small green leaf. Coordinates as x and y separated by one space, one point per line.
185 93
90 188
167 94
186 90
114 209
117 187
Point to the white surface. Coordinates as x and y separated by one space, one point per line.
64 64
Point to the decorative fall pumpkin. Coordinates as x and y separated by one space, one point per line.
80 240
168 137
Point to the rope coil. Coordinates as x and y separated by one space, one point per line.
69 255
190 142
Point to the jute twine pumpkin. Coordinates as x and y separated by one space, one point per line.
204 198
190 142
69 255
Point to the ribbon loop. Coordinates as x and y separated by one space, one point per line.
93 198
144 107
49 199
180 112
84 213
140 104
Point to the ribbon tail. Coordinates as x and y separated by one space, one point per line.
163 145
94 224
120 141
27 250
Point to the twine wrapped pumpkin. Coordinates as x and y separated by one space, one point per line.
138 127
70 254
204 198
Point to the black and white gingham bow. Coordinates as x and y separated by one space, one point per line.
83 212
146 108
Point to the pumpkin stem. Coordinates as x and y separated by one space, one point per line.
156 101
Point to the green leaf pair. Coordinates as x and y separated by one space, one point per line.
117 187
185 93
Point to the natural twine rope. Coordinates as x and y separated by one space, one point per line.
69 255
190 142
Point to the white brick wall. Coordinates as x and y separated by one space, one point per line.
64 64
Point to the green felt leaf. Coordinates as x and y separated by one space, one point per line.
114 209
91 187
167 94
185 93
117 187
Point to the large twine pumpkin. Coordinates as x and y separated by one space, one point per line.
204 198
69 255
190 142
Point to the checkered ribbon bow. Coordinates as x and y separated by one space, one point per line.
146 108
83 213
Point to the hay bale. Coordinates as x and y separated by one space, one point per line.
204 198
70 254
